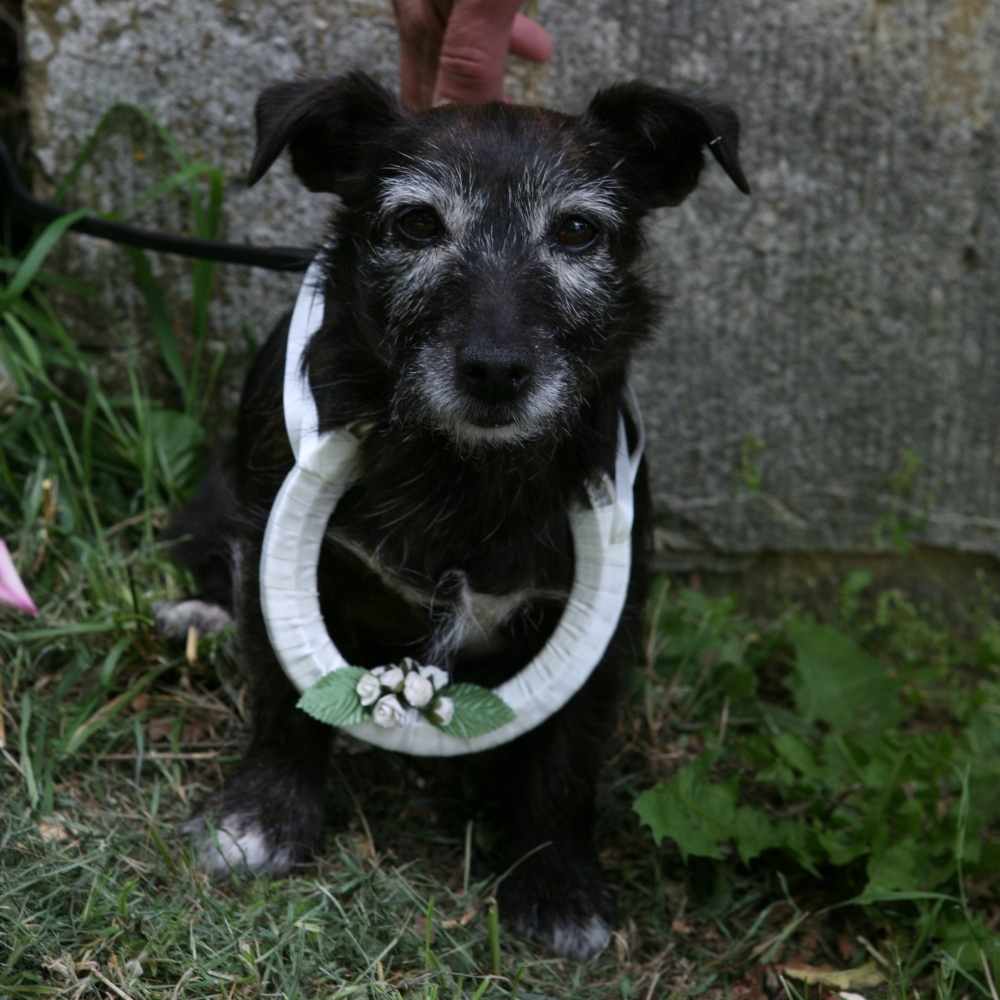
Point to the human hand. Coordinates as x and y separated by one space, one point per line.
456 50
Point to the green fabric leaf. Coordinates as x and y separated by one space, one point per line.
477 711
333 700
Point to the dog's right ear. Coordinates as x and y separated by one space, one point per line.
326 125
661 137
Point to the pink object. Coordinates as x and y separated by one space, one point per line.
12 590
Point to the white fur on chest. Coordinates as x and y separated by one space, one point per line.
468 622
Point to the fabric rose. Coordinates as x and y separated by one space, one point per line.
417 690
442 711
437 676
392 679
388 712
368 689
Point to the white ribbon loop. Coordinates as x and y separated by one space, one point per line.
327 464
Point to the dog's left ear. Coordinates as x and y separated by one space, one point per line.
326 125
661 136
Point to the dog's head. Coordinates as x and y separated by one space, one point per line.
487 254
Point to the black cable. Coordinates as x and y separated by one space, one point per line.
17 200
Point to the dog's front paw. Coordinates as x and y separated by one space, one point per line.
567 909
268 819
236 843
174 618
578 938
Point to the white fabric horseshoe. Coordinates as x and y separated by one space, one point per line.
327 464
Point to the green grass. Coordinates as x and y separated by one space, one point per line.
821 793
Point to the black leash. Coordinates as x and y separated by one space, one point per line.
16 199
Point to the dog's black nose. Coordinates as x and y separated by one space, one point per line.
493 374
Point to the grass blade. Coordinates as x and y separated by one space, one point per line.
36 256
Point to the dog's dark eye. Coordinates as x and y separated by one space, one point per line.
575 233
419 226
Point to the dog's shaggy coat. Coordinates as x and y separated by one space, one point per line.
483 302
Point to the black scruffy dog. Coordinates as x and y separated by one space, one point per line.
483 301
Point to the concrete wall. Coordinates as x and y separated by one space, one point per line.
827 375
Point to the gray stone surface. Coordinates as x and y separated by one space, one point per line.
826 375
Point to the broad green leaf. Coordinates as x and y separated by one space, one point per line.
800 840
739 681
333 700
837 682
842 845
699 815
755 832
989 644
477 711
898 866
969 941
798 754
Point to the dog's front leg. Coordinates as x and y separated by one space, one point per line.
545 785
268 816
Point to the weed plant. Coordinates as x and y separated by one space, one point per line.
785 797
853 759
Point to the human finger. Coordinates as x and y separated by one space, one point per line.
529 40
421 25
474 51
